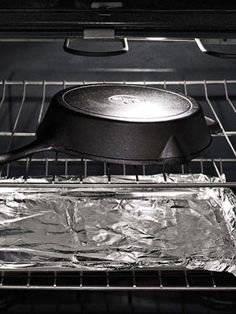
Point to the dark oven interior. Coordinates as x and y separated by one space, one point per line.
33 69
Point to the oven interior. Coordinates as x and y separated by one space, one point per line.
32 71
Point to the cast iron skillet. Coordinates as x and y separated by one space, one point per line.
118 123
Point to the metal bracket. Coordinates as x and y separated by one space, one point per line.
213 53
97 34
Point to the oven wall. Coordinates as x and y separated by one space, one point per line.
144 61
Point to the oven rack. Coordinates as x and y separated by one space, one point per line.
16 96
16 100
158 280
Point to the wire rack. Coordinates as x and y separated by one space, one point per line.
22 107
23 104
118 281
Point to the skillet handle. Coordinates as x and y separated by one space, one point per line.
32 148
213 126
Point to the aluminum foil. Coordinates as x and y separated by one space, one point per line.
118 228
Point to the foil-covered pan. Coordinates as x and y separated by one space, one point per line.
118 228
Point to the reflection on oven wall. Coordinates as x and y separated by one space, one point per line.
144 61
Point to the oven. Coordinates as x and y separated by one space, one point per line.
46 46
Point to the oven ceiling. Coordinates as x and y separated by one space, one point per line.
60 18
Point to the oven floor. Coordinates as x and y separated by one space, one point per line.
118 302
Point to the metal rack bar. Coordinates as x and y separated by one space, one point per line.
216 169
213 280
27 168
28 279
221 167
89 161
3 93
129 281
160 279
42 103
16 123
32 134
186 279
136 185
218 120
227 97
2 279
129 38
164 83
66 166
18 115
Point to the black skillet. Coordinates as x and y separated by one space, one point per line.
122 124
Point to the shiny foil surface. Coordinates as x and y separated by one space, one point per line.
118 228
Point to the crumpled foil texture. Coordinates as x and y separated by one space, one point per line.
118 228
